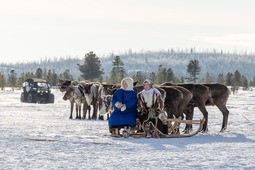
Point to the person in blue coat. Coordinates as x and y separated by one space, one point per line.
124 101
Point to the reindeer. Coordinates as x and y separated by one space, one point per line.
206 95
105 106
74 94
104 100
219 97
90 91
104 89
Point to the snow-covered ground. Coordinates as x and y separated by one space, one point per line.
41 136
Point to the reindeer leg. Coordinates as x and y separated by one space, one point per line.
94 116
71 113
108 115
79 113
189 111
100 117
76 109
205 113
225 114
84 110
89 108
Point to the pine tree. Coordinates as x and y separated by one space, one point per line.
29 75
39 73
193 68
229 79
12 79
245 82
54 78
139 76
170 75
66 75
49 76
2 81
236 81
237 78
118 71
21 79
253 81
153 76
208 78
45 73
182 80
161 74
221 79
165 75
91 69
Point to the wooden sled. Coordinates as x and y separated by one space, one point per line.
173 125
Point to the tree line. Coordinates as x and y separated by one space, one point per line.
14 81
91 70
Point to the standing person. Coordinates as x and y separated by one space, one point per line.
124 101
151 106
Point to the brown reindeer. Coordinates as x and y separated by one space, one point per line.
219 97
200 94
214 94
172 101
206 95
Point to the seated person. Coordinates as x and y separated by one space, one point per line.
124 101
151 105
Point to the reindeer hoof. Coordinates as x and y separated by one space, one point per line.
204 130
223 129
187 131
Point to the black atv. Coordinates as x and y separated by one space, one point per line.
36 90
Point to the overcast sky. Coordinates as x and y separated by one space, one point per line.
34 29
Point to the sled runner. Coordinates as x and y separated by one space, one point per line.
176 123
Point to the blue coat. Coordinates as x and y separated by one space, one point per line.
128 116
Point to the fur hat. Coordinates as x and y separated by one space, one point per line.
129 82
149 82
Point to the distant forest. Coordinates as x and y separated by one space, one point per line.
213 62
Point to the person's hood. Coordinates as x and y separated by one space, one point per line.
129 81
149 82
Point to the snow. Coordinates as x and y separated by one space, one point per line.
41 136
